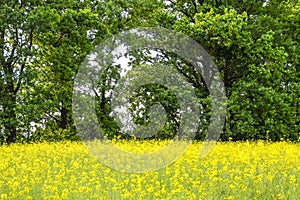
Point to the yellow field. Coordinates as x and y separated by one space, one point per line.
231 171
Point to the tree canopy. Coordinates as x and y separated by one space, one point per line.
254 44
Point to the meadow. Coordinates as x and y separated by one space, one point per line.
233 170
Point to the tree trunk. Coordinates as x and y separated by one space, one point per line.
10 117
9 103
64 117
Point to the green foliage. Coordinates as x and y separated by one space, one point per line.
257 112
49 135
255 45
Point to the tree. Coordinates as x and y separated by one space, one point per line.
255 47
17 34
42 46
254 44
65 38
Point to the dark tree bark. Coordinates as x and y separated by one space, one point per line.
64 117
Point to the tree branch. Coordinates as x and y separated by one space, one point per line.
24 63
63 34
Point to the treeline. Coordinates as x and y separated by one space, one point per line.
254 44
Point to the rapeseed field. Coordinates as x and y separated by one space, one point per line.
233 170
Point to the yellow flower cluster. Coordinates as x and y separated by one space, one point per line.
233 170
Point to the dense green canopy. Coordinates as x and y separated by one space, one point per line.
254 44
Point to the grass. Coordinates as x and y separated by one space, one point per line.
233 170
